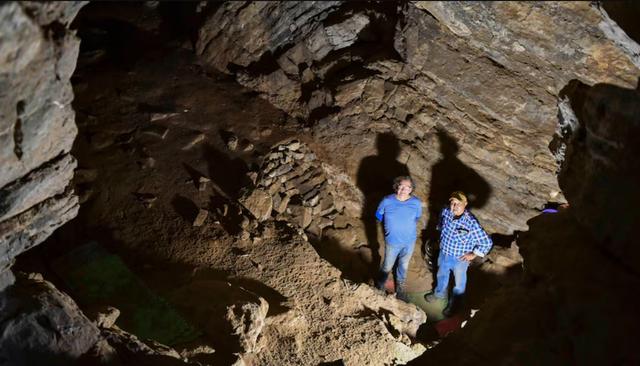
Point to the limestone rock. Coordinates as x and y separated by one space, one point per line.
230 314
41 325
201 217
37 126
46 181
104 316
31 227
247 320
259 203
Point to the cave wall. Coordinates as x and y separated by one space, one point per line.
468 90
575 305
38 54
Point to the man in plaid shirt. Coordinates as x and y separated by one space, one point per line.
462 239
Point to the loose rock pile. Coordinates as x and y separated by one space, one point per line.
293 187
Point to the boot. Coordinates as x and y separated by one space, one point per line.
431 297
381 280
453 306
401 292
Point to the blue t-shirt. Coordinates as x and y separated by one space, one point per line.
399 218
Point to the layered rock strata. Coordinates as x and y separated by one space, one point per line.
38 54
468 89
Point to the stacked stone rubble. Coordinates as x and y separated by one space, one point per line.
293 186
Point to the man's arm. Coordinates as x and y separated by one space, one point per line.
419 211
481 240
380 210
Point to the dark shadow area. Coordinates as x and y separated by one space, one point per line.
598 175
184 207
352 265
502 240
332 363
447 175
375 180
228 213
117 36
227 173
625 14
183 19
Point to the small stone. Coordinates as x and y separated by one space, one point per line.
253 176
161 116
246 145
265 132
146 163
259 203
310 157
203 183
194 141
245 235
232 142
156 131
202 216
147 199
282 204
105 317
283 169
34 276
293 145
302 215
297 155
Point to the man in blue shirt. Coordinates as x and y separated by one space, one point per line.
462 239
399 213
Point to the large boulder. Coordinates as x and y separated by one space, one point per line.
41 325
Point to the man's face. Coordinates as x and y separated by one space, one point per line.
457 207
404 188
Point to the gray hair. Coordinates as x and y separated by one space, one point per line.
397 180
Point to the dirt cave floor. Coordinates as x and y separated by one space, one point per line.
155 148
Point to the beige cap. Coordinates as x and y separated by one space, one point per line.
458 195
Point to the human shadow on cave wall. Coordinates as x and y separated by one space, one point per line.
447 175
375 180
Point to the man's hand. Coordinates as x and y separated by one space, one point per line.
468 257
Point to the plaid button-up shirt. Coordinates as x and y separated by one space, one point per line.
462 235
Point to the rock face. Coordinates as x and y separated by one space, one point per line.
468 90
41 325
579 262
37 128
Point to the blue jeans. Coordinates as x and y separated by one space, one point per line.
400 252
446 264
